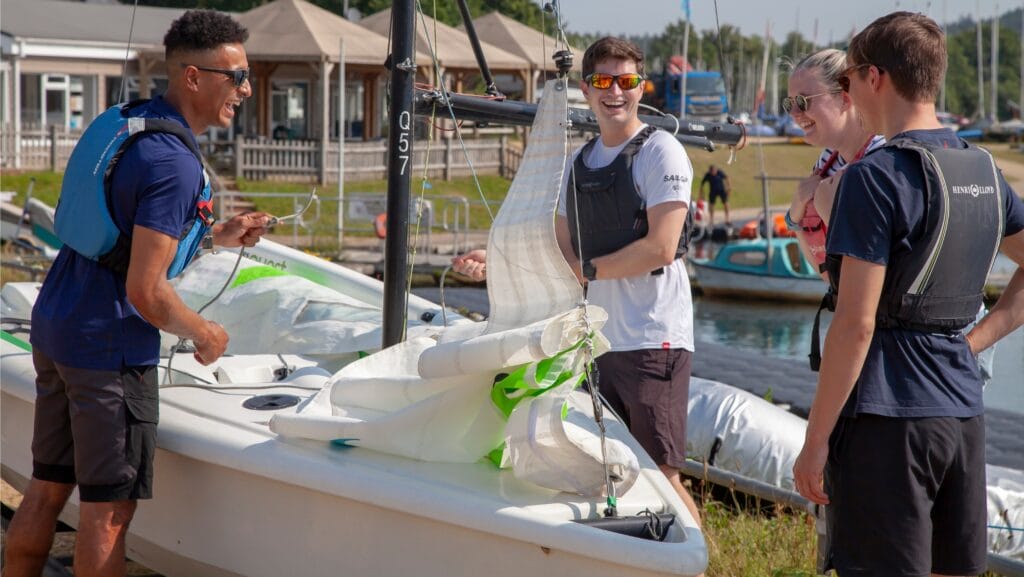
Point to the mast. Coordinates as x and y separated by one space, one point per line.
478 52
981 66
400 156
994 67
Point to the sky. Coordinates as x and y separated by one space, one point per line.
835 18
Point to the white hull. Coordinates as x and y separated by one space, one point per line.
232 498
715 281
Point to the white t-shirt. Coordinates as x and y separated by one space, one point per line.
646 311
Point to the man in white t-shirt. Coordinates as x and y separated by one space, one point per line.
630 193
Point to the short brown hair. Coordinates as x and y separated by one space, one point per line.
614 48
910 48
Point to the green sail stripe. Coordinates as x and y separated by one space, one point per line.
255 272
15 341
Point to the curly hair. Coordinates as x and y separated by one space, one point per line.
199 30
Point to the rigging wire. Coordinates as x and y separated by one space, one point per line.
458 127
127 52
588 365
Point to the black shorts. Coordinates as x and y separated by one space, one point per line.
96 429
718 194
907 496
650 389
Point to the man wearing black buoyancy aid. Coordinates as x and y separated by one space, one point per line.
95 323
895 441
629 190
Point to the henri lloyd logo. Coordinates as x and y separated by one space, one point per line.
974 190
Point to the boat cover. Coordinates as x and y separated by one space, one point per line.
740 432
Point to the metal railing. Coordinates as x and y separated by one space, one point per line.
445 221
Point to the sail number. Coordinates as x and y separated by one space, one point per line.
404 121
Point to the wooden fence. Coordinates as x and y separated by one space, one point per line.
299 160
286 160
41 148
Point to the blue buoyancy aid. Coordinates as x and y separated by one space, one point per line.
607 205
84 221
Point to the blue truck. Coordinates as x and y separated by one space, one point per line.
705 94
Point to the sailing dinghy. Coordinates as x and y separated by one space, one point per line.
406 488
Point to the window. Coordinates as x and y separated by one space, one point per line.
288 109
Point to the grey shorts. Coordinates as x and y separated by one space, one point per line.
650 389
96 429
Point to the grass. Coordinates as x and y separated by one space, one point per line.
774 541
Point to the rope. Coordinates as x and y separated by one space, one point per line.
127 52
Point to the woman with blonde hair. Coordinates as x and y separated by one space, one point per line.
826 114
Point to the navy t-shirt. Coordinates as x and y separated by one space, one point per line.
82 317
717 182
880 217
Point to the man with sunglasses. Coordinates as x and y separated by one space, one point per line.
629 190
95 324
895 441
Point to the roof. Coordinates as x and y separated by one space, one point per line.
521 40
85 22
451 45
295 30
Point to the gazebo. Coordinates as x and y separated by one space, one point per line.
453 49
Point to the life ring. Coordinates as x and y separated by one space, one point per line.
380 225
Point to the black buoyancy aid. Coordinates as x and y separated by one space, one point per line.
939 285
607 206
84 217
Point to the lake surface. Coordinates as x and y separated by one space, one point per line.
784 331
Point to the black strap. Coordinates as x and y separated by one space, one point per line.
827 302
118 257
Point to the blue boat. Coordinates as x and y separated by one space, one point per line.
766 269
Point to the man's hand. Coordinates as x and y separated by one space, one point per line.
242 230
472 264
212 344
808 471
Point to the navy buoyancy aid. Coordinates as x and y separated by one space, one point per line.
939 286
611 214
84 219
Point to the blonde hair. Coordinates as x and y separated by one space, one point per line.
826 64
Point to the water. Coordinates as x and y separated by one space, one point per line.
784 331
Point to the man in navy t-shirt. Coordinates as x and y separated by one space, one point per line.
95 330
895 440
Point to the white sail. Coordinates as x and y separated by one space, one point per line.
450 398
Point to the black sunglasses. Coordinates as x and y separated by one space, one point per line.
802 102
238 77
844 76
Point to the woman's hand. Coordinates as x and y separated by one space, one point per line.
804 193
825 196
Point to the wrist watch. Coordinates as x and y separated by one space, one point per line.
589 270
207 242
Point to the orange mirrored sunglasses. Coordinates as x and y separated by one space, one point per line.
604 81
